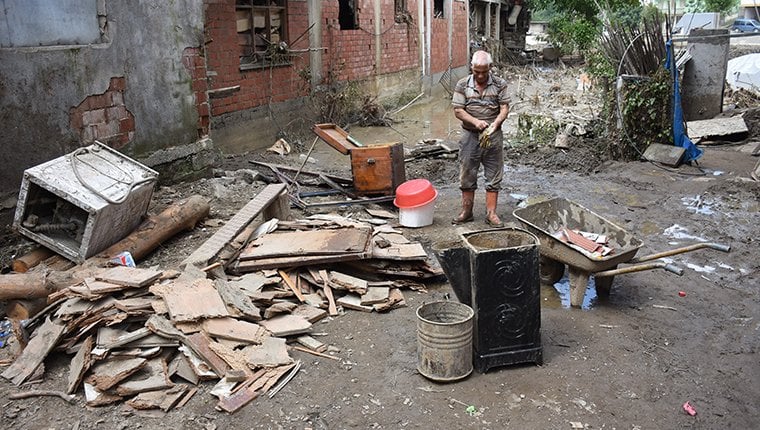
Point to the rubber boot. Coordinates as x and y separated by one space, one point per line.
492 198
468 199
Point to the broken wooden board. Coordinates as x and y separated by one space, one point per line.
252 283
199 343
279 308
395 300
180 366
408 269
135 305
375 295
90 289
72 307
95 397
199 367
209 249
45 338
341 281
151 377
79 365
669 155
235 298
196 343
246 393
381 213
353 301
398 248
292 284
733 129
106 374
128 276
109 337
296 261
286 325
312 314
236 359
191 302
230 328
164 400
272 352
311 343
308 243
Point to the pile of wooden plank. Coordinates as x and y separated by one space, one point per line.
232 313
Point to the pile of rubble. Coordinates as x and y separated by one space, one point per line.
232 312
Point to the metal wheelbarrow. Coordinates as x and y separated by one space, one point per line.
546 218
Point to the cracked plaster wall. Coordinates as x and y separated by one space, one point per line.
144 44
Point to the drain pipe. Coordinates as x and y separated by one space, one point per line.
428 38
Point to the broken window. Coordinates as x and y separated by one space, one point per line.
261 30
438 9
402 15
347 15
400 6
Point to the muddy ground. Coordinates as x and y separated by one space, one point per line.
630 361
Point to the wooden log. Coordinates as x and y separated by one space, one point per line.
25 262
157 229
35 285
147 237
24 309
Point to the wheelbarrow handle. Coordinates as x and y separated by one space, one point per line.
640 268
716 246
672 268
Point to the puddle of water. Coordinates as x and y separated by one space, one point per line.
677 232
697 205
559 295
700 269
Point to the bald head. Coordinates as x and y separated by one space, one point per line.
481 58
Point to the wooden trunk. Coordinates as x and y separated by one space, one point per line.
378 169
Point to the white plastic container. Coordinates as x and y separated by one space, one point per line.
419 216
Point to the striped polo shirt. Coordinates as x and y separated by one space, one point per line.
483 106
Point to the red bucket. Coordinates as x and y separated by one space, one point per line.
414 193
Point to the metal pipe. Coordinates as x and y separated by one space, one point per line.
716 246
640 268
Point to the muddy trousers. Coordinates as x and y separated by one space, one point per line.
471 156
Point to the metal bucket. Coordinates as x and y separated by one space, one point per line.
444 341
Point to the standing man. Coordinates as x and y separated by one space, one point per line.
481 102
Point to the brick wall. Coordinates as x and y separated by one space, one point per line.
350 55
258 86
439 61
104 117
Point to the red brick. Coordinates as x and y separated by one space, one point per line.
127 124
118 84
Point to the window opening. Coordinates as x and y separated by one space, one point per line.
347 15
438 9
262 31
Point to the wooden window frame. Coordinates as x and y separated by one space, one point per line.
251 54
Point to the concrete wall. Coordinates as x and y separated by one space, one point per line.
136 90
704 76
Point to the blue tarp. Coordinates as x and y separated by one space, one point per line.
679 131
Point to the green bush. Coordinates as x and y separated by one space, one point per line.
572 33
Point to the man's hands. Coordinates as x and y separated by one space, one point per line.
484 139
480 124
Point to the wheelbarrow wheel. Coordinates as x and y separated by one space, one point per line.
551 270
